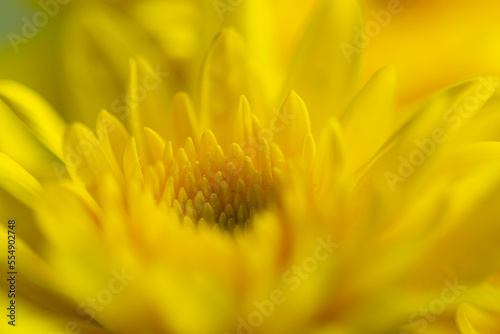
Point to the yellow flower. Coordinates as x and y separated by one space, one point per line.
224 214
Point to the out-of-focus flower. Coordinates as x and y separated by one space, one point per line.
433 44
224 215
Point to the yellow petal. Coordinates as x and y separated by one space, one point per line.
37 114
97 43
329 167
155 143
34 156
146 100
291 125
113 137
131 165
451 109
182 119
436 124
34 266
226 76
84 156
367 120
12 208
472 320
48 313
323 73
485 124
173 24
243 128
308 152
263 41
18 182
471 52
472 198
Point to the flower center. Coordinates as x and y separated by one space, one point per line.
209 187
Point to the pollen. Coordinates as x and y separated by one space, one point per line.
207 186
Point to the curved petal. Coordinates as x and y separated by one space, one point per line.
183 121
367 121
439 121
18 182
326 68
454 40
226 76
473 320
84 156
36 114
97 43
291 125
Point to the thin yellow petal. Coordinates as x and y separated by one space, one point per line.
155 143
291 125
131 164
436 124
243 128
135 121
323 72
308 152
472 320
37 114
18 182
226 76
113 137
367 120
183 120
472 198
329 167
84 156
97 42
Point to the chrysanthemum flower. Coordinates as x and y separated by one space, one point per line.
225 215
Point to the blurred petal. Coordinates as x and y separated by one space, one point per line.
291 125
182 113
472 320
323 73
17 181
455 40
226 76
98 42
37 114
368 119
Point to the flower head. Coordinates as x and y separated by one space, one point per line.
215 212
